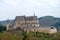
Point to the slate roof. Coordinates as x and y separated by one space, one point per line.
21 18
30 18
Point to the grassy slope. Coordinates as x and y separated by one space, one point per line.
28 36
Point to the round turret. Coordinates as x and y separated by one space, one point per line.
8 25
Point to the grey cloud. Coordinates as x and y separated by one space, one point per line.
12 8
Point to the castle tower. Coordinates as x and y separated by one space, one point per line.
8 25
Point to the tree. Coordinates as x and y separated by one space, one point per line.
57 25
2 28
0 24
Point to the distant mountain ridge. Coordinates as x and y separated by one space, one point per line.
48 20
4 22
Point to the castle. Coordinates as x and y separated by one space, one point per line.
29 24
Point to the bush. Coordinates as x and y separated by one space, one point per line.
28 36
2 28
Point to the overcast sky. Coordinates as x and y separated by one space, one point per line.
11 8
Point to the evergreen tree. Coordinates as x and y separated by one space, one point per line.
2 28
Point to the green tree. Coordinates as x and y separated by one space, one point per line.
2 28
57 25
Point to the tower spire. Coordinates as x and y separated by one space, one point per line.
34 13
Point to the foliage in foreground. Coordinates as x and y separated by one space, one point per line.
2 28
28 36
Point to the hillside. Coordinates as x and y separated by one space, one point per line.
48 20
4 22
28 36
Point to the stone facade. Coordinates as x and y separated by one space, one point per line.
26 22
49 29
8 25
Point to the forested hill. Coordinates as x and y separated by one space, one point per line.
4 22
48 20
